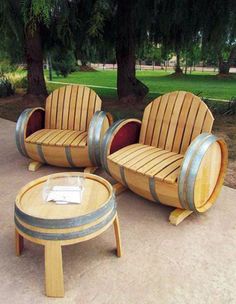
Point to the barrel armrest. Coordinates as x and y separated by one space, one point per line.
99 123
197 152
30 121
121 133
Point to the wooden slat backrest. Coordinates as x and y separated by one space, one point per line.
172 121
71 107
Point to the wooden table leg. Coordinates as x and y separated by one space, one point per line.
19 243
53 270
117 235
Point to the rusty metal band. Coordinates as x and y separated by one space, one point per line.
66 236
69 156
194 167
122 175
182 180
66 223
152 190
91 132
20 131
94 137
106 143
97 137
40 153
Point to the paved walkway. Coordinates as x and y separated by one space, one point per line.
162 264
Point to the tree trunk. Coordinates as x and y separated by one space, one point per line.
50 67
178 69
224 65
129 88
34 60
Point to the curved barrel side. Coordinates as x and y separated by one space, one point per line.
122 133
98 125
28 122
190 182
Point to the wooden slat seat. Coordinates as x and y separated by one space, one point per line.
50 137
150 161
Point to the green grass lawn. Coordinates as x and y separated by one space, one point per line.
206 84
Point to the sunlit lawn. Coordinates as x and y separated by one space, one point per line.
207 84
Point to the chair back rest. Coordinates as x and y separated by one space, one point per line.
71 107
172 121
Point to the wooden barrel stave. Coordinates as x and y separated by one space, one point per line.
179 194
98 126
149 188
59 155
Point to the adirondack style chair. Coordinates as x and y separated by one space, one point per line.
67 133
170 157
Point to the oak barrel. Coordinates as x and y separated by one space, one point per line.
97 128
41 221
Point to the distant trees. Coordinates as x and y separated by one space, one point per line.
32 28
21 27
117 31
219 32
63 62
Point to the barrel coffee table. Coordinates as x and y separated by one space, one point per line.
54 226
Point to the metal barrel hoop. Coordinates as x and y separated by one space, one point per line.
66 223
194 167
97 137
94 137
91 131
69 156
66 236
152 190
20 131
182 180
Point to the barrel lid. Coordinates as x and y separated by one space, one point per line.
97 193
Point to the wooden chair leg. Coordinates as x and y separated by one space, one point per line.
119 188
53 270
19 243
34 166
117 236
90 170
178 215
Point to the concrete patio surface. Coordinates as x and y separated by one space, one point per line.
192 263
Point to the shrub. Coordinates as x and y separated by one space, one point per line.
6 87
18 81
6 67
231 107
63 63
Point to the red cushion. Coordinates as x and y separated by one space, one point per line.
35 123
127 135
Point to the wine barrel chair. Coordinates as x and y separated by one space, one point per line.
170 157
67 133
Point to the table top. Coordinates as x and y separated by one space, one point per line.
97 193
